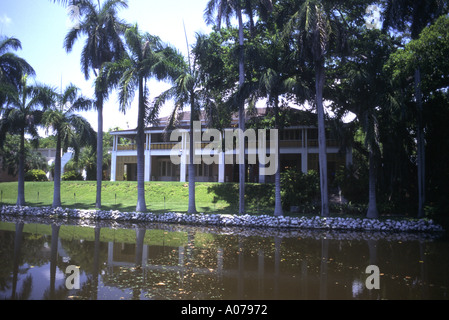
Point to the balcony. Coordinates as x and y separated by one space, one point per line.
126 147
163 145
289 144
202 145
329 143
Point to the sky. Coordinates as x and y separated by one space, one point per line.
41 26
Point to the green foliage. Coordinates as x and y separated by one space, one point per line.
353 180
71 176
298 188
258 197
35 175
374 80
47 142
429 52
10 156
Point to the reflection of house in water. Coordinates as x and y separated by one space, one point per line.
123 255
197 263
255 273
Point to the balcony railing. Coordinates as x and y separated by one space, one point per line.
329 143
125 147
290 144
202 145
163 145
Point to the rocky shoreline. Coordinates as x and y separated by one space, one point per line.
227 220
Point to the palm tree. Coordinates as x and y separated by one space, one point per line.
102 28
216 12
22 115
316 24
363 92
147 58
186 91
71 129
414 16
225 9
12 67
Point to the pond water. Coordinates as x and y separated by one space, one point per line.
166 262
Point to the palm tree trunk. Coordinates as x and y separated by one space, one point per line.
53 258
21 181
241 118
420 145
140 141
372 205
16 259
277 178
192 203
57 174
319 85
99 150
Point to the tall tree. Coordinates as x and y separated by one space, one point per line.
413 16
185 91
216 12
12 67
224 11
277 80
147 57
319 29
364 89
22 115
429 52
217 73
71 130
103 29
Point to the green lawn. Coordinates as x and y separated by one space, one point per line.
160 196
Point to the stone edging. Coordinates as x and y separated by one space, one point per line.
227 220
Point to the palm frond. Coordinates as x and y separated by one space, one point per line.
11 43
127 87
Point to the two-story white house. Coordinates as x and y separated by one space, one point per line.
298 147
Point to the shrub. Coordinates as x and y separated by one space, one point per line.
298 188
72 176
35 175
353 182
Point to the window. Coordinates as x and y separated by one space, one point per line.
165 168
203 170
295 134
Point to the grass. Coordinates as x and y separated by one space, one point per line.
155 237
160 196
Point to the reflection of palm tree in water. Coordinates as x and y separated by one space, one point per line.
140 236
17 246
187 274
53 293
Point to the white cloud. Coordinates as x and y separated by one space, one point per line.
5 20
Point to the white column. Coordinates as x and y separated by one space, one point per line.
184 157
113 165
148 157
221 167
114 159
304 153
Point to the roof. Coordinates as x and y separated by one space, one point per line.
296 116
